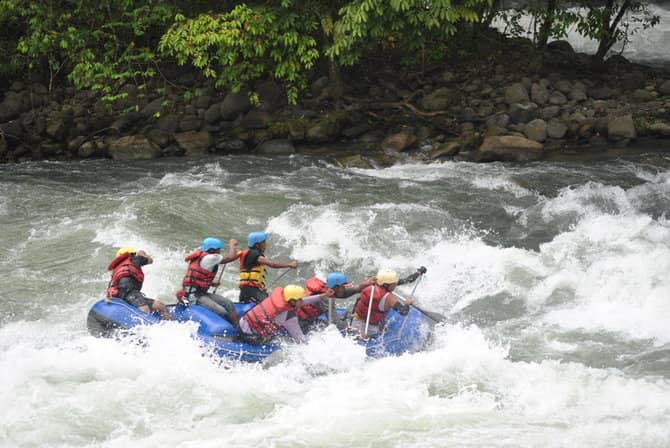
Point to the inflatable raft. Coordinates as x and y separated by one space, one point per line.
401 334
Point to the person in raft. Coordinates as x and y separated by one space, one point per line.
374 303
278 311
203 264
308 314
252 268
338 282
127 280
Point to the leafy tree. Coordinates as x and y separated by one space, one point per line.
615 21
246 44
96 43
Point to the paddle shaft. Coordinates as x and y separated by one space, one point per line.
277 279
219 279
437 317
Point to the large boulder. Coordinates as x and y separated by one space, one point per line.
134 147
194 143
437 100
660 129
399 141
508 148
536 130
276 147
621 128
11 107
234 104
516 93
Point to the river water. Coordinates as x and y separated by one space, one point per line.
553 275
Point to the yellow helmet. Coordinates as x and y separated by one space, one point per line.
387 276
126 250
293 292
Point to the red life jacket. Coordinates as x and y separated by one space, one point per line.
261 317
250 275
197 276
314 285
122 266
363 302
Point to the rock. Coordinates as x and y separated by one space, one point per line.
557 98
233 145
621 127
189 123
3 146
664 88
134 147
578 95
356 130
57 126
276 147
563 86
257 119
522 113
659 128
355 161
213 113
297 129
437 100
399 141
516 93
446 149
601 93
633 80
194 143
155 108
74 144
509 148
560 46
499 120
536 130
270 94
642 95
550 112
318 85
235 104
12 131
322 132
539 94
11 107
88 149
556 129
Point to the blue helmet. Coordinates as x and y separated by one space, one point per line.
255 238
336 279
210 243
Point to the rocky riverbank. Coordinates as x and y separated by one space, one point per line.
501 108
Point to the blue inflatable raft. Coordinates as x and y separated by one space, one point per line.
401 334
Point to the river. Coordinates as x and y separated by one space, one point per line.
553 276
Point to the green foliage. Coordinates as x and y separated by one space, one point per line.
616 21
97 42
406 23
246 44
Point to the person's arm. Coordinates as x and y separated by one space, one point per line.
395 302
292 325
232 252
412 277
356 289
277 264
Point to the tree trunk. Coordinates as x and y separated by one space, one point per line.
548 22
609 30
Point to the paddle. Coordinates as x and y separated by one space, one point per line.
286 271
219 279
437 317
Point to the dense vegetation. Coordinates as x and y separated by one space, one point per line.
108 43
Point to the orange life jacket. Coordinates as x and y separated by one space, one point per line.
122 266
377 293
197 276
314 285
250 275
261 317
